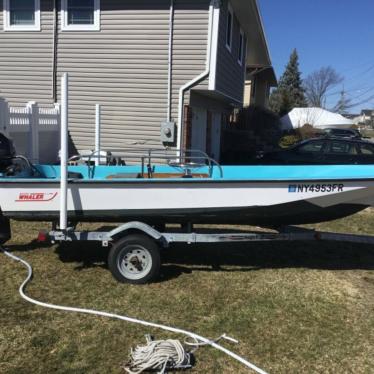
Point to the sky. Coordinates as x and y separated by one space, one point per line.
337 33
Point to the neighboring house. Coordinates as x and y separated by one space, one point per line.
259 80
365 119
367 116
151 64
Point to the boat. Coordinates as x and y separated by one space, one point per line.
186 190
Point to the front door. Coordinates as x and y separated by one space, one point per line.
216 136
199 126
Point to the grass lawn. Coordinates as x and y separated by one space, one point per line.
302 307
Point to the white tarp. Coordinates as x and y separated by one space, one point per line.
317 117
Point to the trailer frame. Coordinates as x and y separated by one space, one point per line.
147 241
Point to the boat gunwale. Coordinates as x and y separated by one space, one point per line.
180 180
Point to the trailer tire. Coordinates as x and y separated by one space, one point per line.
134 259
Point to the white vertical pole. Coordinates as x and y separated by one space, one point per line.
34 130
64 151
97 134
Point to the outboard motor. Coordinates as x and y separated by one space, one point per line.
11 164
5 233
6 147
7 152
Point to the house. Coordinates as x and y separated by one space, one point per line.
367 117
166 72
364 119
260 79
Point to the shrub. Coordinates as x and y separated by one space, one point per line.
288 140
261 121
308 131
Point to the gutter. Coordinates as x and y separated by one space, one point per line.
170 59
54 56
213 5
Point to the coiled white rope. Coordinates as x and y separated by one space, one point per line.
194 336
155 355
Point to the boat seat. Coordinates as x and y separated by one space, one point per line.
178 175
156 175
124 176
74 175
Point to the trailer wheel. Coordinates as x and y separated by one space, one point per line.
134 259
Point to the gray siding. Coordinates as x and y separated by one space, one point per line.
190 46
123 67
26 60
230 75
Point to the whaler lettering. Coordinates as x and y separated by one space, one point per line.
35 196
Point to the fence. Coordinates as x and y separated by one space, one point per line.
33 129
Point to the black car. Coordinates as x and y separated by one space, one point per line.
343 133
333 151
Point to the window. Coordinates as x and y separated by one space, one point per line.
241 49
337 147
21 15
367 149
80 15
311 147
230 21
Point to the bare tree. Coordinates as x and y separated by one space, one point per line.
343 104
318 83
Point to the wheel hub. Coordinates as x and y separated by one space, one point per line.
135 262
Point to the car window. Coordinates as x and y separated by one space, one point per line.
337 147
342 132
311 147
367 149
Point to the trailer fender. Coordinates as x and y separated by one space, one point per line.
136 226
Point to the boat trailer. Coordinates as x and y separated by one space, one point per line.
134 256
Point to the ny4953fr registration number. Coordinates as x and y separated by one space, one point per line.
316 187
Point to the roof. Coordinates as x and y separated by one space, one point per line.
317 117
367 112
351 116
265 73
249 16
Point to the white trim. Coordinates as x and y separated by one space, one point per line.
214 48
242 39
263 31
88 27
6 15
231 12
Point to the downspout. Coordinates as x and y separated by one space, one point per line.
170 59
197 79
54 58
214 48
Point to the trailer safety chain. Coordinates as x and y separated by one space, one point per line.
198 339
